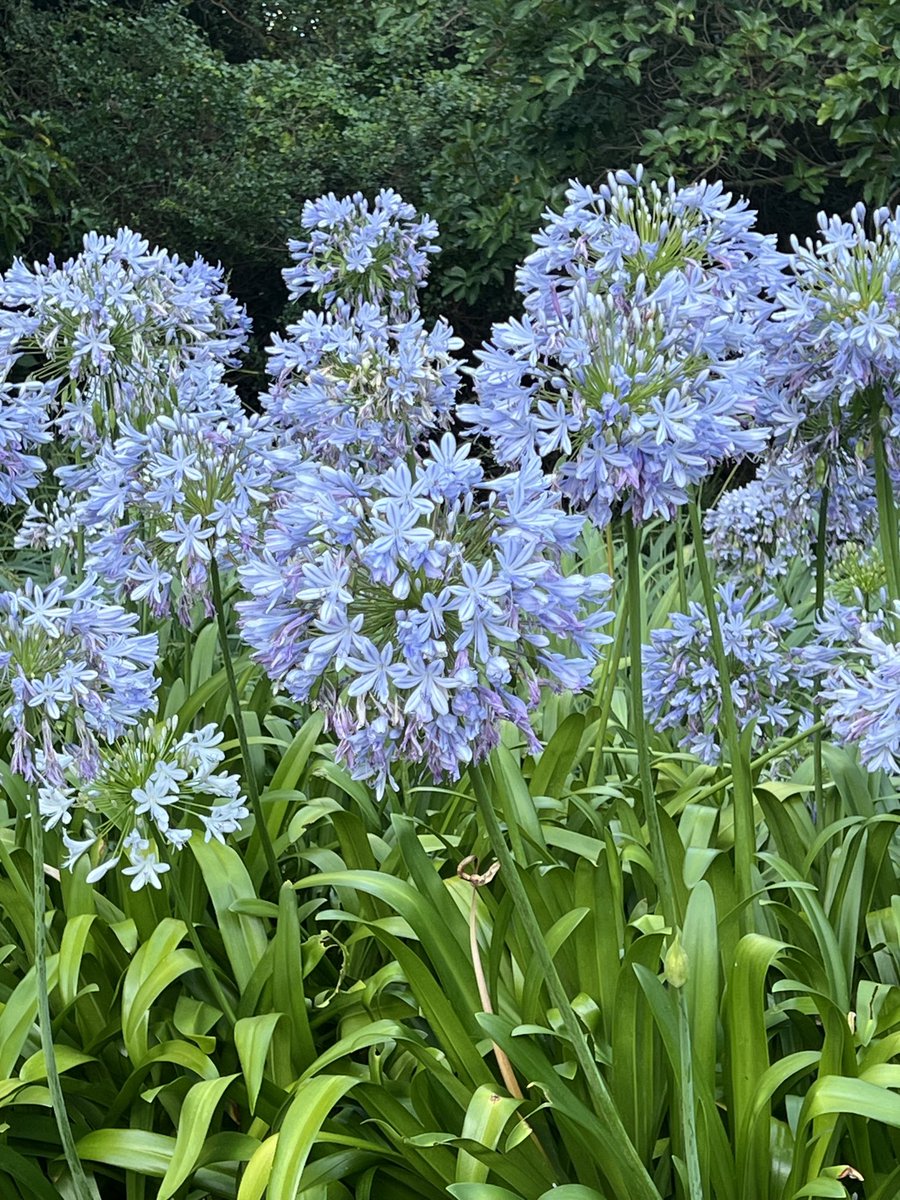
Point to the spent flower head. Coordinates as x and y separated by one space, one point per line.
415 605
858 572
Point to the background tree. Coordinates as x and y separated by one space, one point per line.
206 124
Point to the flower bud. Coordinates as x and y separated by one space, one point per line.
676 963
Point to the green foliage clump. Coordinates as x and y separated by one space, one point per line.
34 176
206 125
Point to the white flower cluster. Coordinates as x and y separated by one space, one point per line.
153 788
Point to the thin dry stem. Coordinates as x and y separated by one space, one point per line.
504 1065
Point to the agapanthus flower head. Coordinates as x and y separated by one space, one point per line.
73 673
353 386
632 402
693 245
837 628
24 429
852 512
858 571
360 254
836 332
151 790
767 525
682 686
112 325
635 367
162 501
764 527
420 607
857 661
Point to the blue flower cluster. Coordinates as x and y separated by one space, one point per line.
362 255
691 245
683 690
114 327
852 512
858 660
163 501
24 428
149 789
364 381
392 580
72 669
768 524
353 386
836 331
838 628
412 605
635 366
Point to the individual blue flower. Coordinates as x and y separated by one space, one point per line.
415 605
451 472
352 386
682 686
74 672
360 254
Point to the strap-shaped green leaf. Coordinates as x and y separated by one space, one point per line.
196 1113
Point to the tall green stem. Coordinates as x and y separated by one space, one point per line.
688 1100
249 776
887 509
187 657
744 824
606 690
821 535
679 559
45 1019
78 572
664 881
634 1175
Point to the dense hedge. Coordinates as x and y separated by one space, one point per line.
205 124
